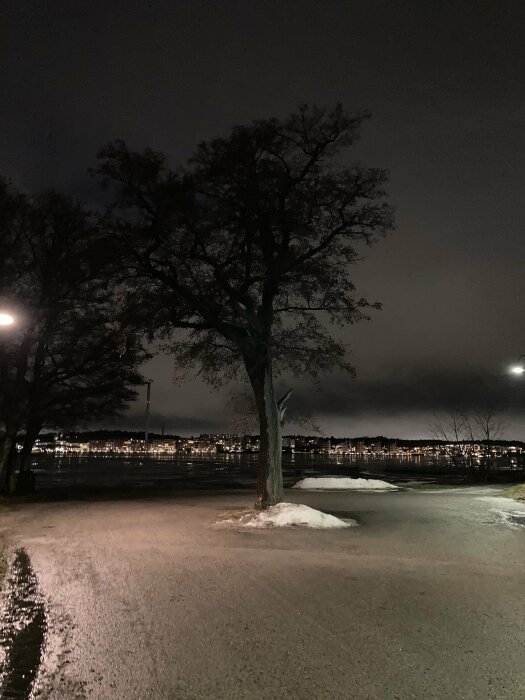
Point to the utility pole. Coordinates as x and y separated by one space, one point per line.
149 382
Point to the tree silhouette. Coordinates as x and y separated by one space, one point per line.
248 250
67 360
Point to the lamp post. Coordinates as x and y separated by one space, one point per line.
149 382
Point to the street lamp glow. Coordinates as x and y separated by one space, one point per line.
517 369
6 319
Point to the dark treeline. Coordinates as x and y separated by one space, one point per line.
102 434
403 442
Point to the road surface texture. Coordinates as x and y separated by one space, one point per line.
146 598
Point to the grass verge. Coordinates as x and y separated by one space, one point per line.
516 492
235 515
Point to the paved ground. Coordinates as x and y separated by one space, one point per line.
147 599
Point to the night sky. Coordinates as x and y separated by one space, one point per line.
445 82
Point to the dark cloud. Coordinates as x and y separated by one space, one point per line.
420 390
173 423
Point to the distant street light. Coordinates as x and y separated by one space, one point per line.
519 367
6 319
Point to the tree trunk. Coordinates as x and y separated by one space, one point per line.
7 459
32 431
270 475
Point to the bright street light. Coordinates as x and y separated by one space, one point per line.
519 367
6 319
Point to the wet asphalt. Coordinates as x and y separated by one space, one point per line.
147 598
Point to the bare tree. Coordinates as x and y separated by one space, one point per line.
249 249
455 428
466 431
488 428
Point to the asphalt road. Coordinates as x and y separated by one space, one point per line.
148 599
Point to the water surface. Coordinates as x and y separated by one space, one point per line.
220 471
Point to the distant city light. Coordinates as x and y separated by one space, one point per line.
229 446
517 369
6 319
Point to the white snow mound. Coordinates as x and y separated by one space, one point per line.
334 483
289 514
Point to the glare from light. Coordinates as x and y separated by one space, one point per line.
6 319
517 369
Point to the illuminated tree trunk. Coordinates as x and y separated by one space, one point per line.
271 413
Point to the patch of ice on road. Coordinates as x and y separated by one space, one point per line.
288 515
341 483
514 519
507 511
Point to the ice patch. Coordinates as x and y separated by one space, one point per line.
334 483
511 518
507 511
289 515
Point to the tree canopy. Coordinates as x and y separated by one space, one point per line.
248 249
64 361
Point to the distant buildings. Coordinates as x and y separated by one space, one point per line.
236 444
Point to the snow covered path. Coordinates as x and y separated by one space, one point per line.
151 600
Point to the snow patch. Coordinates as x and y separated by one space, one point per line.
334 483
288 515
